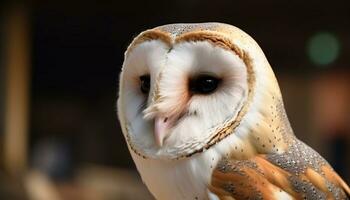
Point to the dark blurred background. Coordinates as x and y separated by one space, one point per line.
59 66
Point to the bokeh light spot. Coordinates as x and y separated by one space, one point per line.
323 48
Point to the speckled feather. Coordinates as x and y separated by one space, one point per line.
299 171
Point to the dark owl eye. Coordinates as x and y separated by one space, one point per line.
204 84
145 84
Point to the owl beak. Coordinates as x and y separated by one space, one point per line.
161 129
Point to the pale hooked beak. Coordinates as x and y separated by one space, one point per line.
161 129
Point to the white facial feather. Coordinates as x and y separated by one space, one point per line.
170 70
148 58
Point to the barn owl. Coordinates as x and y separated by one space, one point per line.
203 117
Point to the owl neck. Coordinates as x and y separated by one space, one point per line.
265 128
270 131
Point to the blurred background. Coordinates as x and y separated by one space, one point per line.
59 66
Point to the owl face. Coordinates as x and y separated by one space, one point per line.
176 98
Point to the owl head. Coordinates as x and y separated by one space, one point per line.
186 87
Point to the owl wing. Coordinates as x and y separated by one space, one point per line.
299 173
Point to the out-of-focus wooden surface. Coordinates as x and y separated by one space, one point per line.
89 183
17 70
